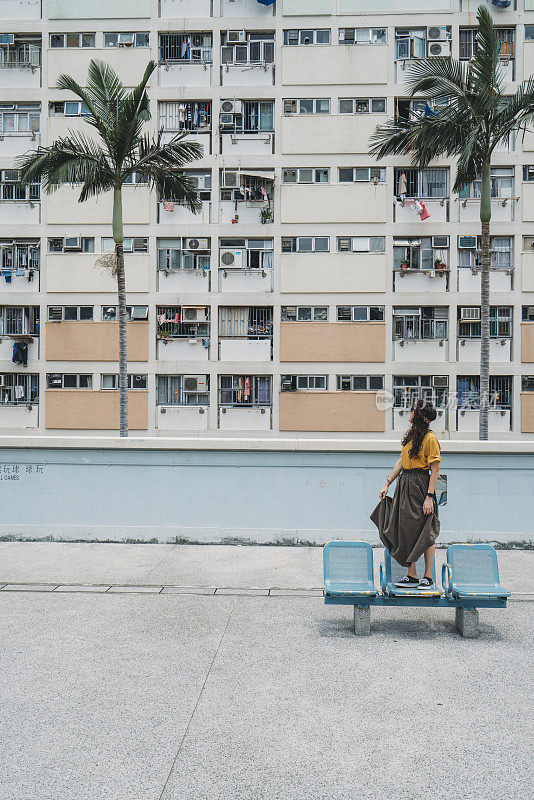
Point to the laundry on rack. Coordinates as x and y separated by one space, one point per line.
246 392
20 353
424 213
402 186
6 273
168 205
19 392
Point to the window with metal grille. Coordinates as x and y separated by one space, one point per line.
304 313
19 320
245 322
501 253
407 389
425 183
257 48
185 115
468 42
253 116
500 324
11 188
360 383
245 390
183 322
527 383
468 392
180 390
24 53
19 255
186 47
19 388
70 313
424 323
314 36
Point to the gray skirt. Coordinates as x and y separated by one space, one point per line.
402 526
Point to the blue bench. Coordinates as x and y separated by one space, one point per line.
470 580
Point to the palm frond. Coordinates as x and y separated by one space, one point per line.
134 112
485 68
96 111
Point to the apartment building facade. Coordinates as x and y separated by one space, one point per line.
307 297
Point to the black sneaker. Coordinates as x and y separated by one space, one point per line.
426 583
408 583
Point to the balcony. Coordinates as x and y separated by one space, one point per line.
79 272
438 208
93 410
63 207
502 209
21 9
183 333
19 416
7 342
94 341
420 280
501 280
202 138
333 203
333 272
354 412
183 349
182 418
21 69
242 211
171 213
401 419
245 280
499 420
469 350
527 342
416 351
245 419
183 280
336 342
247 74
20 212
249 143
185 73
335 64
328 133
527 412
15 144
184 8
99 9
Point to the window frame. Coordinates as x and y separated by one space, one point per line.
369 310
316 313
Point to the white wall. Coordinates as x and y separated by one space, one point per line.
182 418
417 351
129 64
63 207
182 350
79 272
469 350
19 144
239 280
244 419
498 422
23 213
27 78
333 203
245 350
181 215
21 9
469 282
249 75
19 417
185 8
6 350
178 75
328 133
333 272
96 9
243 8
235 143
334 64
184 280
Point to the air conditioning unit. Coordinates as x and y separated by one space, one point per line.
470 314
233 259
73 243
7 38
55 380
231 106
140 312
193 314
290 106
196 244
437 33
140 244
344 244
126 39
440 381
286 383
226 120
57 108
287 244
195 383
230 179
55 313
467 242
440 241
442 48
236 36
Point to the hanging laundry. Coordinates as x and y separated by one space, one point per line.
19 392
424 213
430 113
417 206
162 318
246 391
30 275
168 205
20 353
402 186
263 192
177 319
7 275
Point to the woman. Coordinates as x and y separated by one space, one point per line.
408 525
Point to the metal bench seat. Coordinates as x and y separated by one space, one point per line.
472 571
348 569
392 571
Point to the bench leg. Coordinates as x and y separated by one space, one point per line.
362 620
467 622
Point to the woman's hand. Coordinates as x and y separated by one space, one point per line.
383 491
428 505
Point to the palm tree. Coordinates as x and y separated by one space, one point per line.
475 116
106 164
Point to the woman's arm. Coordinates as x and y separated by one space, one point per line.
428 505
397 469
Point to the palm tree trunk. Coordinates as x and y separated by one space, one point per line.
485 218
118 237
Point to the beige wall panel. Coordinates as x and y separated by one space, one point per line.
330 411
63 207
354 202
78 272
94 341
527 272
85 409
527 342
527 190
527 412
128 63
329 133
338 64
333 341
333 272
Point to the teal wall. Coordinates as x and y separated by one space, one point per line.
259 496
98 9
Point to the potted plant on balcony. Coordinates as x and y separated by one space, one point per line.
266 214
405 264
440 266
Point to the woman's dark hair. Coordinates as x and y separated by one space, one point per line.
423 414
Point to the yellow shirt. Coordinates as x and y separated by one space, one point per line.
429 452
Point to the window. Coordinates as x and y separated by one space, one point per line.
501 252
182 390
362 35
11 189
316 36
18 119
111 313
256 48
258 253
24 53
502 185
500 322
305 244
19 320
131 244
468 392
529 33
245 390
69 380
407 110
304 313
246 186
201 181
362 174
425 253
245 322
194 255
361 244
70 313
248 116
360 383
291 383
409 388
126 39
69 108
183 322
19 256
84 244
360 313
425 183
185 115
307 105
134 381
19 389
410 43
365 105
527 381
468 42
72 40
190 47
527 314
305 175
424 323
